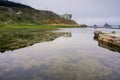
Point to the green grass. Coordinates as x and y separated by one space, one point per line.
35 26
21 35
23 26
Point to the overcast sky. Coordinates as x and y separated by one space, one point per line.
84 11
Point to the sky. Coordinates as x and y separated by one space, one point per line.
88 12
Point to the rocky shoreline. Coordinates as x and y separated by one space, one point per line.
111 39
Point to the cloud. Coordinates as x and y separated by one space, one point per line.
99 21
80 9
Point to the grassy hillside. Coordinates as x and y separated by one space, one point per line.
15 13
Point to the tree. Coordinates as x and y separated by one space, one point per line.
8 3
3 0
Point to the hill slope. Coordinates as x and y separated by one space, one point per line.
15 13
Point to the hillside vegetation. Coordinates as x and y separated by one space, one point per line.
16 13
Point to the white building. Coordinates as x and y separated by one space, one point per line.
67 16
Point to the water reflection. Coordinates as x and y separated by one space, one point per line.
75 58
19 38
108 46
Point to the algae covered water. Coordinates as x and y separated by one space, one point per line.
75 57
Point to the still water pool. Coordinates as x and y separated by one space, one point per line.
78 57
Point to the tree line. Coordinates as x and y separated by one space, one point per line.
8 3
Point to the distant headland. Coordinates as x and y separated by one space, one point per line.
16 13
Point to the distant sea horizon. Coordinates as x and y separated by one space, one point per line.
113 26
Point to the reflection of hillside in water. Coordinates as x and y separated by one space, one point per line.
109 46
19 39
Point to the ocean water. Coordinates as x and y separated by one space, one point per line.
78 57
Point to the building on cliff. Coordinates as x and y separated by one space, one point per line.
67 16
